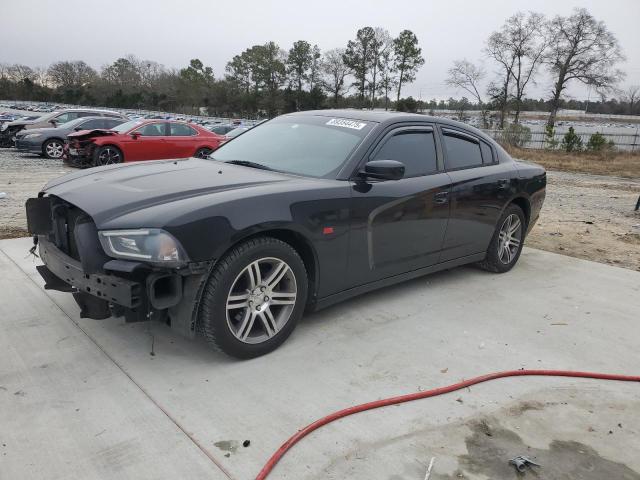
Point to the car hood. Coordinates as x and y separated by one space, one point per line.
116 190
94 132
21 123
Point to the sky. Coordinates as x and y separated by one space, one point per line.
171 32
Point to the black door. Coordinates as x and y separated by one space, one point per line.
399 225
479 189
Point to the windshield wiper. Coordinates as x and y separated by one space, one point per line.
247 163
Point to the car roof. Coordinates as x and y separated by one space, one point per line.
97 110
387 117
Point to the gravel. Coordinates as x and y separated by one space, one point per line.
21 177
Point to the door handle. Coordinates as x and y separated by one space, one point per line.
441 198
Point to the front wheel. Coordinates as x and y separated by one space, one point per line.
506 244
53 149
107 155
253 298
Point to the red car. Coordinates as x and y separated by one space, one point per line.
140 140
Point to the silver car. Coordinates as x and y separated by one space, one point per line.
49 142
54 119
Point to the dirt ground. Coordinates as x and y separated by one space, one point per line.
590 217
585 216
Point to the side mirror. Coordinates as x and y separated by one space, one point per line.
53 122
383 170
135 135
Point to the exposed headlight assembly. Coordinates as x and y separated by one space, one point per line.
150 245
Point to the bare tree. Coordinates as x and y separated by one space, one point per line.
498 90
528 44
334 70
20 73
71 74
41 77
581 48
467 76
631 95
4 71
518 48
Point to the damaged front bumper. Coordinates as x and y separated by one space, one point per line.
74 262
8 137
76 156
63 273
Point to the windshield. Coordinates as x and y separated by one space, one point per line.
126 126
305 145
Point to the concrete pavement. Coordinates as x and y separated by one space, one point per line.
85 399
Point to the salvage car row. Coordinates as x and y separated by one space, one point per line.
91 137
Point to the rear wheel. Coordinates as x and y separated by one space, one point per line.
253 298
506 244
53 149
203 152
107 155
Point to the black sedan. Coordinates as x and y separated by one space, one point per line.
303 211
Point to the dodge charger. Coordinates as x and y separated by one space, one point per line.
296 214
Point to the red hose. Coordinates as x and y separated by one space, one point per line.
286 446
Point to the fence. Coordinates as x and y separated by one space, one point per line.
538 139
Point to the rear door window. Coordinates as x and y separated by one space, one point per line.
152 130
90 124
416 149
181 130
462 151
66 117
110 123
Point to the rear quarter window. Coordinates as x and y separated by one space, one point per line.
487 153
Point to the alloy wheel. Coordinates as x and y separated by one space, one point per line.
109 156
509 239
261 300
54 149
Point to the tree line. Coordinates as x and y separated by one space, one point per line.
369 72
263 80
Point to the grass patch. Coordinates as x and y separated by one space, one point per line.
619 164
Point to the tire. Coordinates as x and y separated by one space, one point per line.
245 318
203 152
53 149
503 252
107 155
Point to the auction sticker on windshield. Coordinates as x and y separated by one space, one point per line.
341 122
